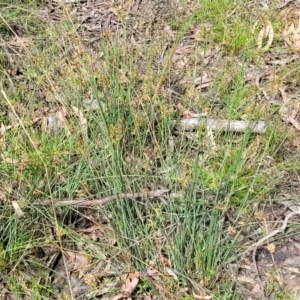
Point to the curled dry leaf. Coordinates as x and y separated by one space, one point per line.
82 119
256 290
130 282
289 111
295 123
293 115
171 273
4 128
266 32
291 35
151 272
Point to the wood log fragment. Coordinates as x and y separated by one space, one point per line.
220 125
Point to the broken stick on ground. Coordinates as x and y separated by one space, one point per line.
101 201
221 125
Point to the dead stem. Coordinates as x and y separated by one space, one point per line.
102 201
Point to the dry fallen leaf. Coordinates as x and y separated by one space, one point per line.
291 34
288 112
4 128
295 110
153 273
82 119
256 290
171 273
77 261
130 282
266 32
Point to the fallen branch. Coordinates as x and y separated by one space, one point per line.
102 201
221 125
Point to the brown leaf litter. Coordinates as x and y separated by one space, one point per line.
93 19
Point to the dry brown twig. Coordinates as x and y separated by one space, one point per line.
261 286
102 201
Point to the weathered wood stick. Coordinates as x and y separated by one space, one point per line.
96 202
220 125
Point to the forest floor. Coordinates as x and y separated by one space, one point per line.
149 149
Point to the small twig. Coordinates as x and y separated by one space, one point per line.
102 201
262 289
